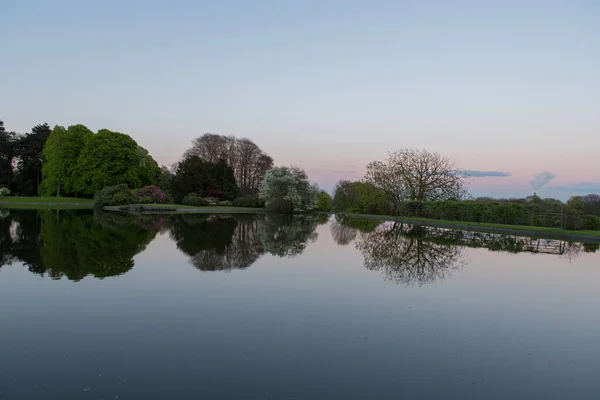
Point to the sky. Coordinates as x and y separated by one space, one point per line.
508 89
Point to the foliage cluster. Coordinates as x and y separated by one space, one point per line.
324 202
194 200
4 191
118 195
248 162
204 178
288 190
250 201
361 198
152 194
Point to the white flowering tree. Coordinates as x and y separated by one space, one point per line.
4 191
288 190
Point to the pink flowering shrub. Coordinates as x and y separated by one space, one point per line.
155 194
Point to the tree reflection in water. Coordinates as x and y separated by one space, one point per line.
407 254
73 244
223 243
217 243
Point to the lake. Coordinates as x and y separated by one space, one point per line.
268 307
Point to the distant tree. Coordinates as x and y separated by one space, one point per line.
165 178
61 154
113 158
417 175
288 190
591 204
248 161
30 160
324 201
194 175
360 197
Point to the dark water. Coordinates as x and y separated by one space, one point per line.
243 307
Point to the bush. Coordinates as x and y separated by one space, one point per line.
212 201
4 191
145 200
216 194
119 195
247 201
591 222
155 193
193 200
225 203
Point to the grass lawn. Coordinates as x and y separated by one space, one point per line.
524 228
61 200
44 203
208 209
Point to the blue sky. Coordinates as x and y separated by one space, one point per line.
505 86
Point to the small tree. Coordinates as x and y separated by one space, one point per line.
324 201
288 190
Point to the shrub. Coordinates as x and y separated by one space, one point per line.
145 200
247 201
118 195
225 203
212 201
155 193
591 222
4 191
216 194
193 200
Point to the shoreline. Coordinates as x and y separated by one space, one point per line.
516 230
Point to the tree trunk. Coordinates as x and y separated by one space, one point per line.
58 190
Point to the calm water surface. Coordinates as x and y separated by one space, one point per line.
245 307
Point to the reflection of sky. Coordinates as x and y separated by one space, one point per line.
505 85
511 326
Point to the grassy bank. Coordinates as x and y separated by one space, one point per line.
492 228
42 203
181 209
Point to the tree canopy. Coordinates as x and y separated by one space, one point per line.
248 162
417 175
195 175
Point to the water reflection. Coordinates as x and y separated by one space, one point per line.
411 254
407 254
74 244
223 243
217 243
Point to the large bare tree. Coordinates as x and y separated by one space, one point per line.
417 175
248 161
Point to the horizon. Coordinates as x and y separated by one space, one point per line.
507 90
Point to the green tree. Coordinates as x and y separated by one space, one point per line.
324 201
150 172
61 153
109 159
194 175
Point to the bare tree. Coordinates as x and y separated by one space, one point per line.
417 175
248 161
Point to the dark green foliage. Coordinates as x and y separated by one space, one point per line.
29 148
591 204
8 145
248 201
193 200
591 222
119 195
194 175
